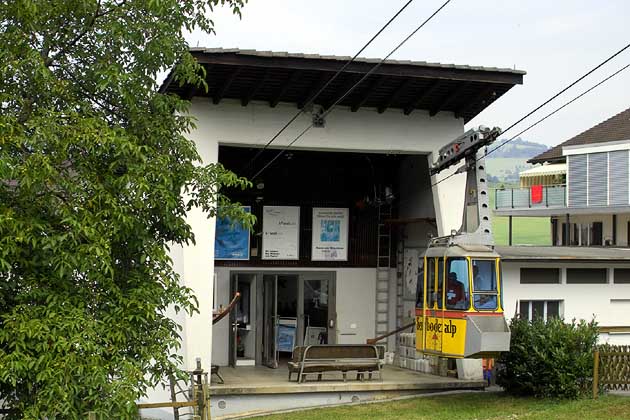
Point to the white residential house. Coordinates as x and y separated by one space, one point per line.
582 187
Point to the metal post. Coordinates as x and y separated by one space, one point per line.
567 234
595 373
512 190
546 196
510 231
496 204
172 384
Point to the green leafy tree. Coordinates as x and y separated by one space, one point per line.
96 177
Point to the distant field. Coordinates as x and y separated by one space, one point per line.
525 230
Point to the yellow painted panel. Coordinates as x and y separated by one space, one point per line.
446 335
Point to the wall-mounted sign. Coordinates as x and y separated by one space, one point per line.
330 234
231 240
281 233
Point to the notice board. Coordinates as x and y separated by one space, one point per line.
281 233
330 234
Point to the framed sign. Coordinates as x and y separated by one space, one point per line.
231 240
330 234
281 233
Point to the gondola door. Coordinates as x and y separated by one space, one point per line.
270 320
434 312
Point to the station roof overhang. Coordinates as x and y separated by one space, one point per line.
562 253
275 77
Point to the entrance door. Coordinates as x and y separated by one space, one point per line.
270 320
317 315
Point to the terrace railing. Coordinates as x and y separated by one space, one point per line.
521 198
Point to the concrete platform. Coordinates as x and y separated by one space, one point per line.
263 380
259 390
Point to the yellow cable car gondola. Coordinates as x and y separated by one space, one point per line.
459 308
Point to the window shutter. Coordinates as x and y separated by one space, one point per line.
618 171
598 179
577 179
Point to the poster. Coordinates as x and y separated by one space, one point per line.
411 260
330 234
231 240
281 233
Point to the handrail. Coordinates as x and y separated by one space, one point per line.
218 317
396 331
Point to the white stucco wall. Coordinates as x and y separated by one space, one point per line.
229 123
609 303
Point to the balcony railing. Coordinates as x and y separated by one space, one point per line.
521 198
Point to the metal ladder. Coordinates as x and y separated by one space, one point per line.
383 262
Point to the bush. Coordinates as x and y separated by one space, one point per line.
549 359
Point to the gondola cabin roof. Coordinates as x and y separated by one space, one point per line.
462 250
275 77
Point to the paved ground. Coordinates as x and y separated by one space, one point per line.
263 380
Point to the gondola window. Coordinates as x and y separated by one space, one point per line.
457 296
485 289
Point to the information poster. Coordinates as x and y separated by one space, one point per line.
330 234
281 233
231 240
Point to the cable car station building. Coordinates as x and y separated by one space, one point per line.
338 213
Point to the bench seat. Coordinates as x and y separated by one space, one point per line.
319 359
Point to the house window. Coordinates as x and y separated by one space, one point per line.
540 275
583 234
622 275
539 309
587 276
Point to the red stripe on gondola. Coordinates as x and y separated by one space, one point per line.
455 314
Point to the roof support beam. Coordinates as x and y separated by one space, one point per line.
485 94
315 87
293 77
351 80
260 83
450 97
365 95
218 95
395 95
417 101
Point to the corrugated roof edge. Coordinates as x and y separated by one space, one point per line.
346 58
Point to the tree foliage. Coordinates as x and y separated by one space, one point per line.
96 177
551 359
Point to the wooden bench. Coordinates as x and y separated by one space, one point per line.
344 358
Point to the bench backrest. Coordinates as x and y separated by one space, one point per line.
340 351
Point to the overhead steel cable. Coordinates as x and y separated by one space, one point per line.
545 117
365 76
325 85
559 109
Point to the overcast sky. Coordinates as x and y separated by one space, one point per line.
553 41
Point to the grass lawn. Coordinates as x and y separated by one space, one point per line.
479 406
525 230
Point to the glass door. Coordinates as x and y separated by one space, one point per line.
317 315
233 329
270 320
